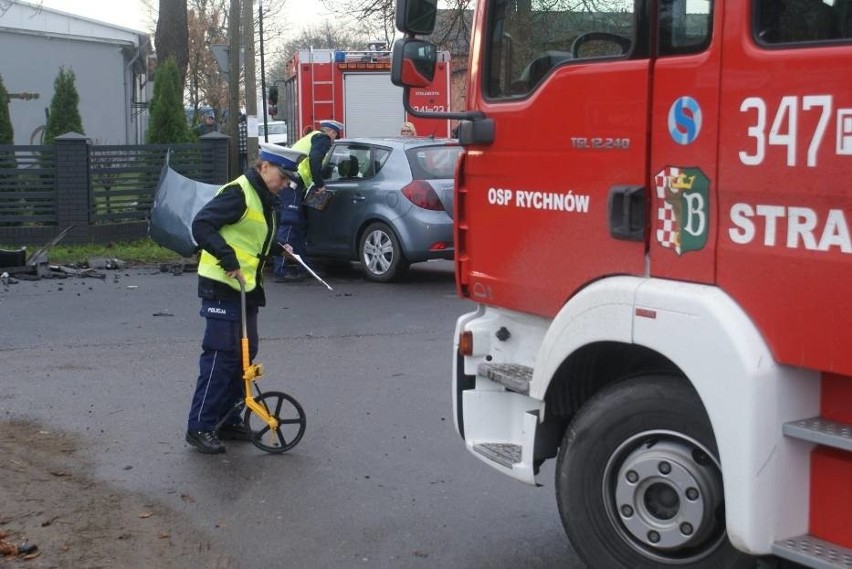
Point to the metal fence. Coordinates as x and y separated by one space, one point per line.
27 187
104 192
123 177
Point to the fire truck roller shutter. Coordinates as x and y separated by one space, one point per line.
372 105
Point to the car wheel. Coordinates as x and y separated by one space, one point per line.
381 254
638 482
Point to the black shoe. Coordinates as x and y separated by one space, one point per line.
236 433
205 441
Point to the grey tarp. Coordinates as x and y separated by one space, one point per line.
176 202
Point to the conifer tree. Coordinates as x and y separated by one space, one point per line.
7 135
64 113
168 121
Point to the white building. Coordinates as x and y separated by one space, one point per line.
109 62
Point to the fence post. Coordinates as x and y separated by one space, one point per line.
217 144
72 186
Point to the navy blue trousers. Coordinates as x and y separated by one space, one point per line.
220 384
296 236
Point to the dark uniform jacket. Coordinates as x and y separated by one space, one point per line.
226 208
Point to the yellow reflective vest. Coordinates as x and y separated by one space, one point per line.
304 145
247 237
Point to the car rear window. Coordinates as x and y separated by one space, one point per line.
433 162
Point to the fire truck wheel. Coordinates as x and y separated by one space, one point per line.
381 254
638 482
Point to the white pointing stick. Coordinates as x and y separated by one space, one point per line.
289 251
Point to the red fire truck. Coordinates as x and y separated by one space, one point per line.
653 215
354 87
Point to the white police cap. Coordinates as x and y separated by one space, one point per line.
281 156
334 125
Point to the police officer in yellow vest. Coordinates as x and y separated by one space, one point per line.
235 232
293 223
316 145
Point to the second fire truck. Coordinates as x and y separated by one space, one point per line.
354 87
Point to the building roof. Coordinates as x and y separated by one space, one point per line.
24 17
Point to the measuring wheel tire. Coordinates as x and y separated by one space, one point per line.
291 422
638 482
381 254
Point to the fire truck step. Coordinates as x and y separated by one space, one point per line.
821 431
513 376
501 453
813 552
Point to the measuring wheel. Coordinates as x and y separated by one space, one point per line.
290 417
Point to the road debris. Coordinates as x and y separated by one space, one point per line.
179 268
9 549
15 264
106 263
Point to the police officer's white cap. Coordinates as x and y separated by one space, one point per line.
334 125
281 156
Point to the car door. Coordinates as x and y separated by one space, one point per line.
566 87
348 174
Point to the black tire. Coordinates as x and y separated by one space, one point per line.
291 422
638 483
381 254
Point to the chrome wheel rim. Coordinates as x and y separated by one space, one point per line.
663 494
378 252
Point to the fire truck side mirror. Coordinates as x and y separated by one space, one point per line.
413 63
416 16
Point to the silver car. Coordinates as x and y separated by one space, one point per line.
392 204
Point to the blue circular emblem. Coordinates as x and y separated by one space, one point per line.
685 120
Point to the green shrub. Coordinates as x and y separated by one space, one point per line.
168 121
7 135
64 113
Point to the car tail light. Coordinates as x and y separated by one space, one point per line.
421 194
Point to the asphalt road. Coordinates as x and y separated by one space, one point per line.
380 478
